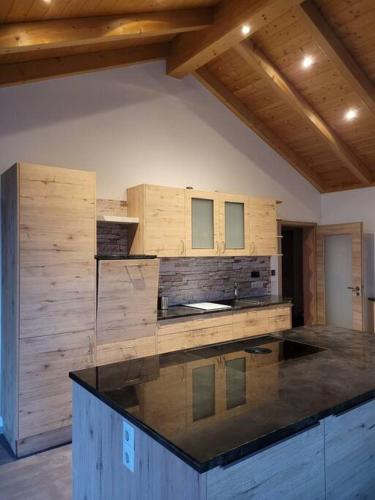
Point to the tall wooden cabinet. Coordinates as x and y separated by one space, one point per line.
48 306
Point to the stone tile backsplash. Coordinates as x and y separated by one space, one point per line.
112 238
191 279
211 278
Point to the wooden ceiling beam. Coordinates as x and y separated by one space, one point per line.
41 69
191 51
256 125
271 75
334 49
24 37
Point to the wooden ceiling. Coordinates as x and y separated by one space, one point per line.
299 112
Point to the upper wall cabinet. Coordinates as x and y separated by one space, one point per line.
263 227
187 222
234 225
161 212
202 223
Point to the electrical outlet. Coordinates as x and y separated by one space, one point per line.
128 446
128 435
128 458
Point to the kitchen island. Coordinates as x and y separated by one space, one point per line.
286 416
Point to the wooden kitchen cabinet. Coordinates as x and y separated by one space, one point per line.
187 222
48 309
350 453
174 335
263 227
234 225
202 223
126 309
161 212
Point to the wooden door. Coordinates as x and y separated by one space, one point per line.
164 221
355 231
202 223
263 227
234 230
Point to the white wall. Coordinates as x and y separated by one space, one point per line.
137 125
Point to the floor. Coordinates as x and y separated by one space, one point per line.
45 476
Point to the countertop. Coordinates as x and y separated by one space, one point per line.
123 257
175 312
197 404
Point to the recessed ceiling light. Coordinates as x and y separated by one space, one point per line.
47 1
307 62
351 114
245 30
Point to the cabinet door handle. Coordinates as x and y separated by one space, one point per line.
182 247
223 251
218 247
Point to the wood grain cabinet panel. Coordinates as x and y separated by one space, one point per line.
127 299
161 212
52 329
350 454
187 222
289 470
175 335
263 227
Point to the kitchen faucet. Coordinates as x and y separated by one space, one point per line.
235 291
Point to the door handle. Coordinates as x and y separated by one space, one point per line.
182 247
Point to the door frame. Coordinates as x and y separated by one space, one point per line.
309 266
355 230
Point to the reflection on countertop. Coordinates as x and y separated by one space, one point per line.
215 404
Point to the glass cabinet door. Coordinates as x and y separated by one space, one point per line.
234 234
202 223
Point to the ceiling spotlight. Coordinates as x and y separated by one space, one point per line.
245 30
307 62
351 114
47 1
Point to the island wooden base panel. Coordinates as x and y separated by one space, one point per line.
334 459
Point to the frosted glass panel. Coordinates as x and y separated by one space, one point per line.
338 274
202 223
236 382
203 392
234 225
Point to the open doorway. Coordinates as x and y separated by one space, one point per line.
297 279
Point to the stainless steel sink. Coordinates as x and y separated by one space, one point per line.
240 302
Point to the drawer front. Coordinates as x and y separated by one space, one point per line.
189 325
194 338
280 319
122 351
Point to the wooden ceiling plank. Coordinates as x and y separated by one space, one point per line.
41 69
208 79
23 37
258 61
191 51
335 50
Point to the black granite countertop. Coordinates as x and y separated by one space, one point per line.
123 257
214 405
175 312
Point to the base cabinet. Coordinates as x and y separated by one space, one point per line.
350 454
290 470
332 460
